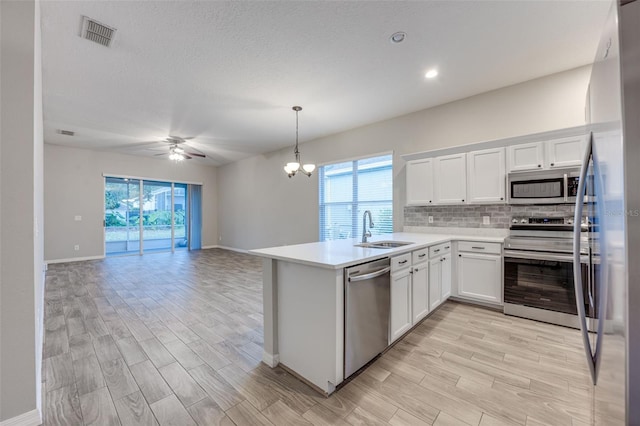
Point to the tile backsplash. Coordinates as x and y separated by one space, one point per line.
470 216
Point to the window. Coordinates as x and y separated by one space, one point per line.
350 188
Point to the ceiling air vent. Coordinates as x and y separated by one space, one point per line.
66 132
97 32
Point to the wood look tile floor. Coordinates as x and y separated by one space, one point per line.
176 339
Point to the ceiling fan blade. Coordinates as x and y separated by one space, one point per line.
195 154
187 157
164 153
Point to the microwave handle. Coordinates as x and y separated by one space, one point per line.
566 188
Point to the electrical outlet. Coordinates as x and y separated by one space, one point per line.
76 247
486 220
430 219
77 218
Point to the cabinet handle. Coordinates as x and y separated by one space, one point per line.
539 165
551 164
477 247
463 201
436 251
459 255
429 200
402 262
501 198
441 259
422 255
416 269
447 247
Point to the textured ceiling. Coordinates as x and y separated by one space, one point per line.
227 73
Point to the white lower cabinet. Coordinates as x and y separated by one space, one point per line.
435 282
480 275
400 320
439 274
445 279
420 291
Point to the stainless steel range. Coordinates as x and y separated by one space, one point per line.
538 271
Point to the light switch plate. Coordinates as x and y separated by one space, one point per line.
76 247
486 220
430 219
77 218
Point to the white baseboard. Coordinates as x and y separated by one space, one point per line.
227 248
270 360
31 418
73 259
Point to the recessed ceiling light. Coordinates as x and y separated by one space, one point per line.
431 73
398 37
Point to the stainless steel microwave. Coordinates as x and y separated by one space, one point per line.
544 187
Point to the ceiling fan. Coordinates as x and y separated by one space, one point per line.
177 151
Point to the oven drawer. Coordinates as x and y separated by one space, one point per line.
479 247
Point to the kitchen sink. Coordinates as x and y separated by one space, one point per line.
383 244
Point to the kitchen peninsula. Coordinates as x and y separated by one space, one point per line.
304 294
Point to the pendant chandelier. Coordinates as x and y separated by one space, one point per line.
294 167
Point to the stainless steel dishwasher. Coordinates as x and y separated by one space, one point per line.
367 305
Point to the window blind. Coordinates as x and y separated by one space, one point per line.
350 188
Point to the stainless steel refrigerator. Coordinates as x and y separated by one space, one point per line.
610 180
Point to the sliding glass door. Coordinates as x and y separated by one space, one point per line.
180 216
122 215
156 216
156 213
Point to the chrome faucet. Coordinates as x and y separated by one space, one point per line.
366 233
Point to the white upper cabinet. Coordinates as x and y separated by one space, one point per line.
486 176
420 182
565 152
450 177
526 156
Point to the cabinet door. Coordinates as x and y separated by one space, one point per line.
526 156
445 281
480 277
435 282
400 304
566 152
420 182
450 178
420 291
486 176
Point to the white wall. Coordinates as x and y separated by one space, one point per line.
74 186
20 214
260 207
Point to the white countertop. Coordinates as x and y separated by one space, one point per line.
339 254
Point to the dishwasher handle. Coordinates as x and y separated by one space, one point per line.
368 276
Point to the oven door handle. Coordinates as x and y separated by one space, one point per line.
577 270
536 255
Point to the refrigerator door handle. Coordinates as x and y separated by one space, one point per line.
600 287
577 266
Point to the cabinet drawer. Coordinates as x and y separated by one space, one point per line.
479 247
400 262
420 255
440 249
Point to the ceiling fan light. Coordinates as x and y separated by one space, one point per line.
309 168
293 166
178 150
